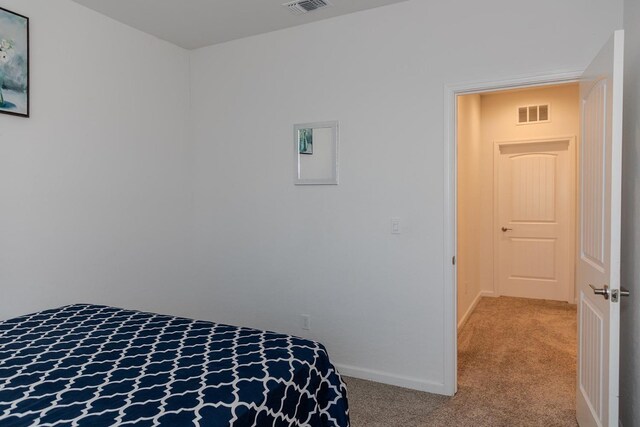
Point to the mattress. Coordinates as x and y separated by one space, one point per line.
89 365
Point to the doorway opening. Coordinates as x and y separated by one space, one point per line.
516 194
516 219
597 264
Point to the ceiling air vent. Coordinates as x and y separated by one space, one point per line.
299 7
534 114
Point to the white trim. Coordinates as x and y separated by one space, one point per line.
451 92
570 138
466 315
472 307
391 379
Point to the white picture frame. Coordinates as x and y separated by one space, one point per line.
316 154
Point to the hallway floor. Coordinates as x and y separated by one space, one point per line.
516 367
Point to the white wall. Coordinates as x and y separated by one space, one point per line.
94 187
470 246
630 309
267 251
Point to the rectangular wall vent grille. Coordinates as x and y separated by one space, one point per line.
300 7
534 114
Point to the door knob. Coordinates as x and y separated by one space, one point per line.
505 229
601 291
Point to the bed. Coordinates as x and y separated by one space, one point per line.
90 365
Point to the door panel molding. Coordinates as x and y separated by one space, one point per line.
593 194
591 357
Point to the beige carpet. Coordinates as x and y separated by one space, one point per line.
516 367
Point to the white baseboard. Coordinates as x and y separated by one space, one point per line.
391 379
472 307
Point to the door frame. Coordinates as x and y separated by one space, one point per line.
573 161
450 269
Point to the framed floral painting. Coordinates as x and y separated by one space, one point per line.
14 63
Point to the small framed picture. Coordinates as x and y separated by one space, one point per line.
321 140
305 141
14 63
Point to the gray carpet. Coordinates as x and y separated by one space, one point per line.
516 367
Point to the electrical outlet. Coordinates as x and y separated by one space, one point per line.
395 226
306 322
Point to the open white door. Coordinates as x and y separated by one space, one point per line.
598 255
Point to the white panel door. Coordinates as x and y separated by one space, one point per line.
535 189
598 255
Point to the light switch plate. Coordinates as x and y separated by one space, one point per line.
306 322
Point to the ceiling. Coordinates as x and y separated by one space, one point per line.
197 23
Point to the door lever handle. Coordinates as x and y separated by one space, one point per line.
624 292
505 229
601 291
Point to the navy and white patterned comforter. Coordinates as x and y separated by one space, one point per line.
88 365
